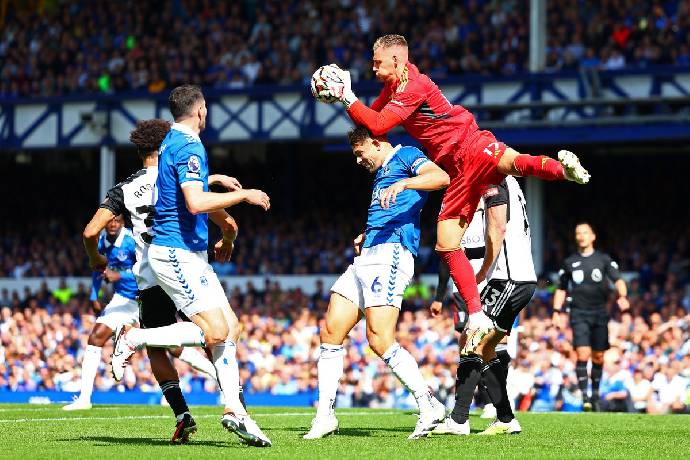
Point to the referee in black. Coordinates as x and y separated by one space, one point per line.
586 276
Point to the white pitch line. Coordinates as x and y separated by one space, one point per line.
141 417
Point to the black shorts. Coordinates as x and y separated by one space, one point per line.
504 300
156 309
590 328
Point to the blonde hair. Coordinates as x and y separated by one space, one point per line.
387 41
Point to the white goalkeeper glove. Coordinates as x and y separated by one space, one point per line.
342 87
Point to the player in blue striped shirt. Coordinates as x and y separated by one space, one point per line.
373 285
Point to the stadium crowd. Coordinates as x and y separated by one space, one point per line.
42 336
55 47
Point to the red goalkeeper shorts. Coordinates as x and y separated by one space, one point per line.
472 168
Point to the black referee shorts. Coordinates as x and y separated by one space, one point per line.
503 300
590 328
156 308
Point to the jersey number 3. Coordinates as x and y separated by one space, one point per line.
147 212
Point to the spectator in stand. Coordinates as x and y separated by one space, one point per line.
104 47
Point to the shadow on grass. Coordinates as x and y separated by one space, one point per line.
110 440
361 432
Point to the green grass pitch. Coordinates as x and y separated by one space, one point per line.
142 432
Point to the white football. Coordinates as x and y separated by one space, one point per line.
322 83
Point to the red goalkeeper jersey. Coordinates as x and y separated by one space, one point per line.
418 104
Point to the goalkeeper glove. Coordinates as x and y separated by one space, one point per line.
342 89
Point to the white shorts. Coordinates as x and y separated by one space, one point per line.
377 277
187 278
120 310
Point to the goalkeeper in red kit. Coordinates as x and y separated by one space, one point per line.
473 158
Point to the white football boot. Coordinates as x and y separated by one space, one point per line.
78 404
450 426
246 428
322 427
573 169
498 427
428 418
122 351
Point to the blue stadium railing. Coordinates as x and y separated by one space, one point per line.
534 109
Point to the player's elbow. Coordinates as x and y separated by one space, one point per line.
377 130
90 232
444 179
193 207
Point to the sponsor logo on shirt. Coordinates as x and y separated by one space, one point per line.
121 255
576 264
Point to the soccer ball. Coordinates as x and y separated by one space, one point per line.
322 83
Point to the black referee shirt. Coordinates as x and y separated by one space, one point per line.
586 279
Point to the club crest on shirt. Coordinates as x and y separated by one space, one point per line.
578 276
121 255
596 275
204 281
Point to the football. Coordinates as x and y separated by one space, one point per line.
321 82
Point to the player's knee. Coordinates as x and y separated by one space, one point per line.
328 334
99 337
379 343
216 334
176 352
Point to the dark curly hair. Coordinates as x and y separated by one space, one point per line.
148 135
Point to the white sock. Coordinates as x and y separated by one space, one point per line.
225 362
330 370
407 371
198 362
89 368
184 334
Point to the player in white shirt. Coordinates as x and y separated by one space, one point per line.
508 267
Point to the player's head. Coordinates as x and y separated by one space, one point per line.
187 102
370 151
148 136
390 57
584 236
113 227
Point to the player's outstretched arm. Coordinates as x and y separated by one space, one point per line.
496 221
384 113
199 202
429 177
90 238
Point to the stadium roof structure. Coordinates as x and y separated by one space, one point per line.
537 109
